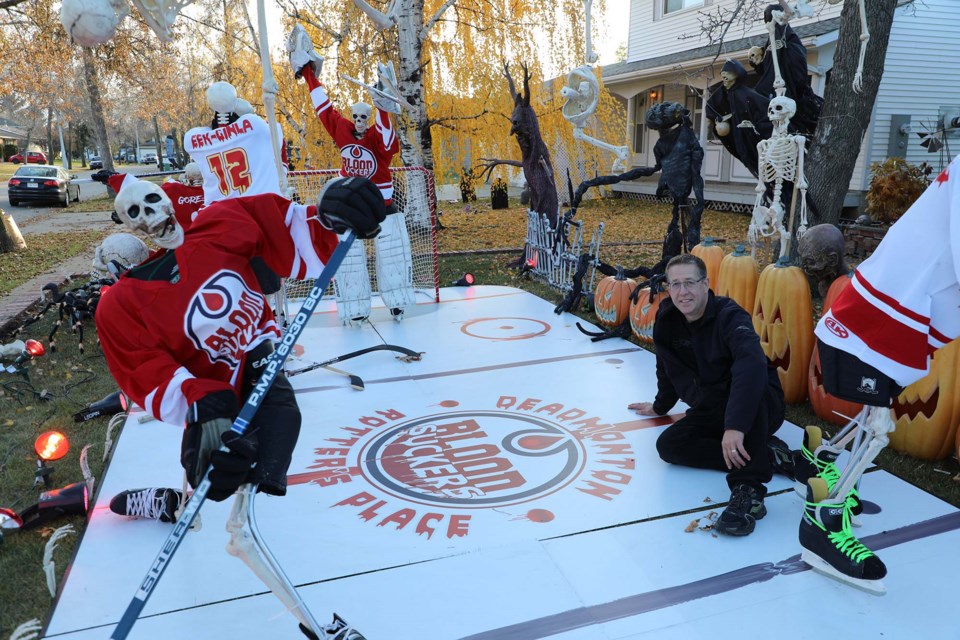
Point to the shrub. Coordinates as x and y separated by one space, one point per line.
894 186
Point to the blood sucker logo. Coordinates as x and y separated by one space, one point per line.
434 472
357 161
223 317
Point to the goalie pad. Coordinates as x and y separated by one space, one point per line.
352 286
394 265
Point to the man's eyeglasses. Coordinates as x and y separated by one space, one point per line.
675 287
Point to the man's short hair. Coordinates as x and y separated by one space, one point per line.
687 258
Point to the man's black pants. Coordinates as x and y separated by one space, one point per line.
694 441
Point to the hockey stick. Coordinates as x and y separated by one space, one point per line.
178 172
408 355
355 381
270 372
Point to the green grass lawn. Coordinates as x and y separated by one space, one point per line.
74 379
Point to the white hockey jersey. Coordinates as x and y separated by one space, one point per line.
235 159
904 301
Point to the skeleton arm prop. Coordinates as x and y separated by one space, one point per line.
778 84
864 39
622 153
590 56
49 568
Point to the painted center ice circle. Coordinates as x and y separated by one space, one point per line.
473 459
505 328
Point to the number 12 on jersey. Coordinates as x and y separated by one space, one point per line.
232 169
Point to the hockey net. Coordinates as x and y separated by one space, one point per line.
413 193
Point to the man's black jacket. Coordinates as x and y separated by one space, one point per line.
715 365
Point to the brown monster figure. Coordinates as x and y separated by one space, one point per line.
821 253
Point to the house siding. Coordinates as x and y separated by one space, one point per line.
921 76
681 30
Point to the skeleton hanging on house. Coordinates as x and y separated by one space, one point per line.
864 39
781 163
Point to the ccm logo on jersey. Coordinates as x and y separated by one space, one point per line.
357 161
223 318
836 328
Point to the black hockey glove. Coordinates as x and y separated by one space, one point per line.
210 419
102 176
352 204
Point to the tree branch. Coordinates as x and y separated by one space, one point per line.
433 20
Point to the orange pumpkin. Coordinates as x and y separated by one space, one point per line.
611 302
643 313
738 278
712 255
836 287
825 405
783 318
927 413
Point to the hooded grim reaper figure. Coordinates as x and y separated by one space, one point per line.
738 115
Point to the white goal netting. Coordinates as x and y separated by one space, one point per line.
413 193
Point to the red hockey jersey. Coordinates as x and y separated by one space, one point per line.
186 199
168 342
370 156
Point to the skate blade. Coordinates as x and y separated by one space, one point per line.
818 564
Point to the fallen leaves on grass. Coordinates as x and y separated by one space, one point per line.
44 252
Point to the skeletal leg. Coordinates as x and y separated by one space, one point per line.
247 544
352 286
394 265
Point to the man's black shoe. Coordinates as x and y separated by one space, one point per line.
741 515
781 457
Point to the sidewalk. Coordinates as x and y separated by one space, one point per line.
14 306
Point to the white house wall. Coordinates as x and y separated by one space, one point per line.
650 37
920 76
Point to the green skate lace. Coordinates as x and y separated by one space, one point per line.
843 540
826 470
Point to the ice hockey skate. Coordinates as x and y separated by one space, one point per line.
829 545
154 503
817 459
336 630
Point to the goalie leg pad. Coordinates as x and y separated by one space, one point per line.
394 265
352 286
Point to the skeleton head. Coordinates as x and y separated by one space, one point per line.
731 72
755 55
192 175
123 248
222 98
143 206
781 109
775 13
362 113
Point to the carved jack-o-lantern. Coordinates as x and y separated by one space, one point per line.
738 278
611 302
643 313
712 255
783 318
927 413
825 405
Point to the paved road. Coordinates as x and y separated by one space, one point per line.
22 214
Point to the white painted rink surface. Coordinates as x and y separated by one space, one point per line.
498 488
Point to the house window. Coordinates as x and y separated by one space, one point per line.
669 6
643 101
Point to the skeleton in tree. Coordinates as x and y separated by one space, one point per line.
738 115
791 56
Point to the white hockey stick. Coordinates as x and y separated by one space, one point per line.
249 409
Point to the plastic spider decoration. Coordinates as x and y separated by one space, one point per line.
73 307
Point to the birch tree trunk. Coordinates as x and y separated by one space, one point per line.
416 146
96 107
846 114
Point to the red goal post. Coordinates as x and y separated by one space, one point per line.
413 193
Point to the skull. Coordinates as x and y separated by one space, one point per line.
728 79
192 175
125 249
143 206
781 109
755 55
362 113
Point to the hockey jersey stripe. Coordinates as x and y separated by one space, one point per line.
167 402
886 334
306 263
894 306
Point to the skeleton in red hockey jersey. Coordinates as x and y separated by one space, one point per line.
185 332
367 143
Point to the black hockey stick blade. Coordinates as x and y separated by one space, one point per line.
407 355
355 381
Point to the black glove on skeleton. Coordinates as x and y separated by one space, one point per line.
210 419
352 204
